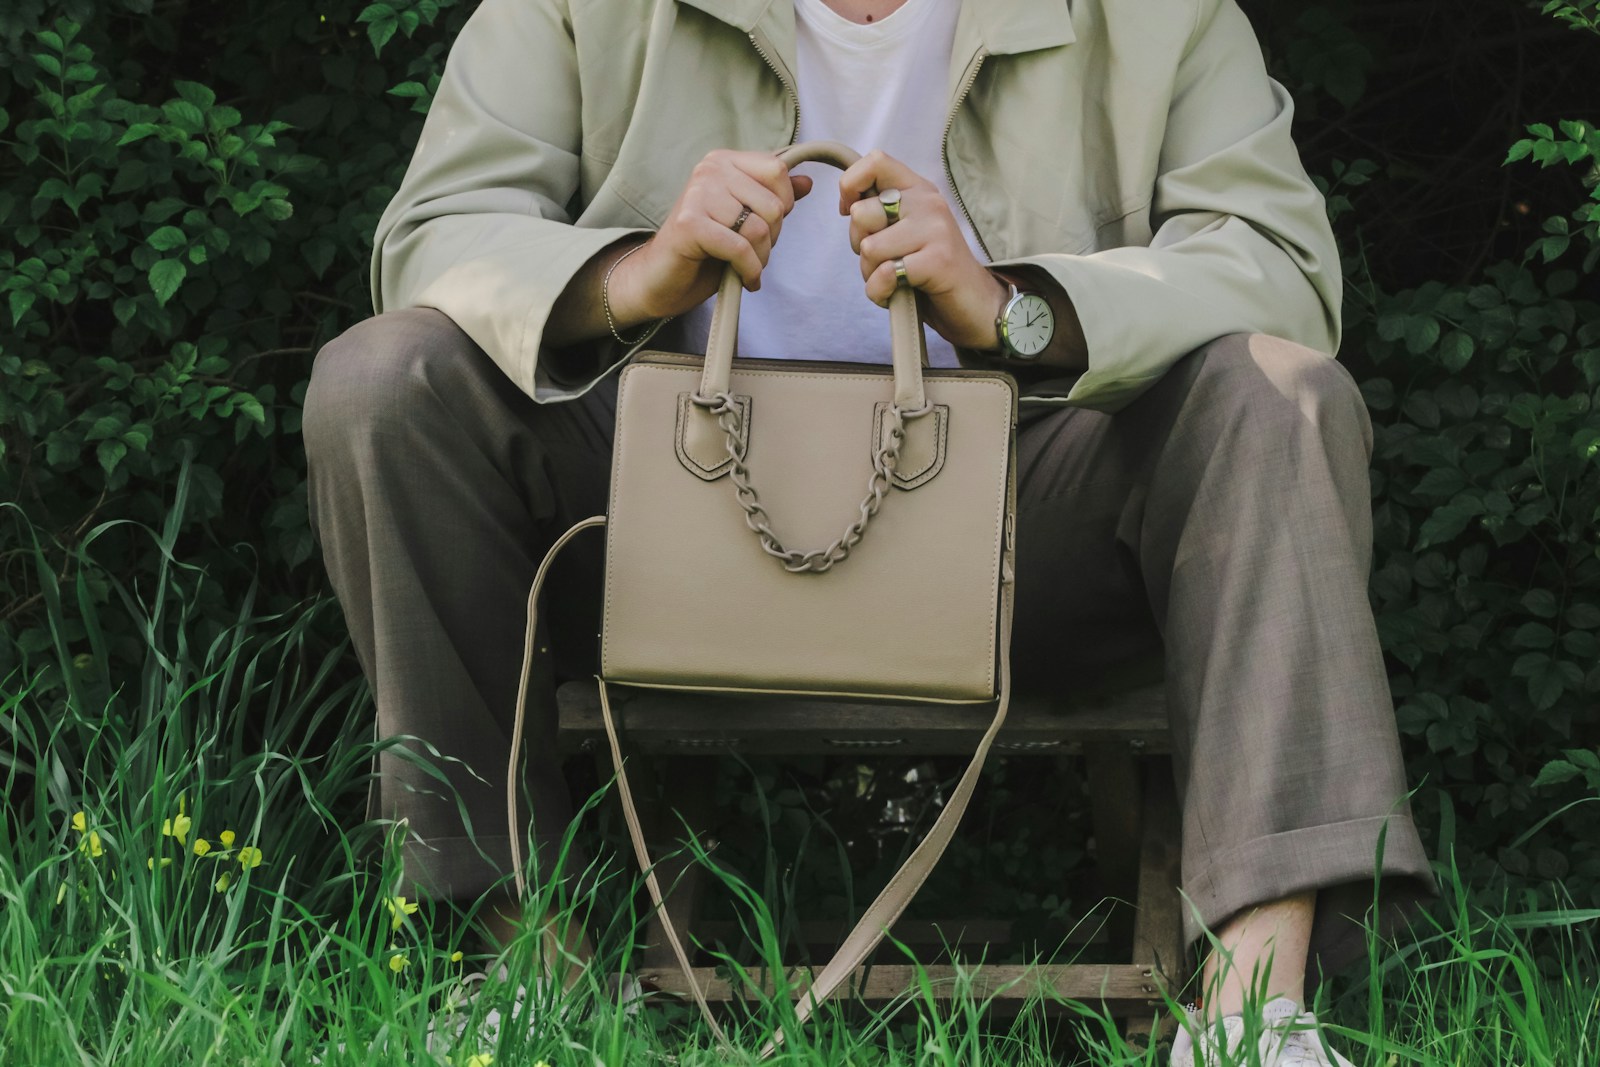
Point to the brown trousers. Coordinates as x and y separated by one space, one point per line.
1223 517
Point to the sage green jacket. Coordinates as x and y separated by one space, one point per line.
1135 149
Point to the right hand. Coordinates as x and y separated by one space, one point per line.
681 266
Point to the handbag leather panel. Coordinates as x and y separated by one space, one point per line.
691 597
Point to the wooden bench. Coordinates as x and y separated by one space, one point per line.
1120 728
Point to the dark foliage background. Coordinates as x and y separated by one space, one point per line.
187 196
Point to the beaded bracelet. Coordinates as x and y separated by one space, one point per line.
605 302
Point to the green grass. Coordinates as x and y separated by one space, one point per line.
121 944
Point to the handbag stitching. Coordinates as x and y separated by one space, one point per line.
941 423
680 434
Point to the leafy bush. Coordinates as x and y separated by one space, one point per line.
188 193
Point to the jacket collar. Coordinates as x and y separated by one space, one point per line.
1004 27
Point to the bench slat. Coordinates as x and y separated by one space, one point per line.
681 723
1124 984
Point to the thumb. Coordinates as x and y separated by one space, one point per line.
801 184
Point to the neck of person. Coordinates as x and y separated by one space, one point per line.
865 11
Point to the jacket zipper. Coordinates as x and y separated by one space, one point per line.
944 146
794 94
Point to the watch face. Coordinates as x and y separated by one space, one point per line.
1029 324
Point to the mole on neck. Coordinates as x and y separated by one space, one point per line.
865 11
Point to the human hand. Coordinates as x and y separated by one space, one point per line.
960 298
682 264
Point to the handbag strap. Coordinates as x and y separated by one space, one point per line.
630 813
880 915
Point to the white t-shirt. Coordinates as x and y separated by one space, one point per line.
878 85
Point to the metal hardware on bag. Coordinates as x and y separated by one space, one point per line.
884 459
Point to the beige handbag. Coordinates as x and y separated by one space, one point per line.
721 466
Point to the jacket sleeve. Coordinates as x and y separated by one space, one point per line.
1241 238
480 228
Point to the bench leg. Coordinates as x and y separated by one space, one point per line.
687 794
1113 773
1158 925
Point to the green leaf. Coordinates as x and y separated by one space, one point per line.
380 33
1422 409
21 301
1547 684
1533 635
1584 616
1422 333
1441 483
1456 350
110 454
199 95
1555 773
138 132
165 277
167 238
250 408
1519 151
184 115
106 426
318 253
1446 523
49 64
1578 131
1540 602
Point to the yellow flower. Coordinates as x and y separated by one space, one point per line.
398 963
61 894
227 838
249 858
91 845
201 846
455 957
222 883
79 823
177 827
150 864
399 909
484 1060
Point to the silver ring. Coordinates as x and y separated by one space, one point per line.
745 214
900 273
890 199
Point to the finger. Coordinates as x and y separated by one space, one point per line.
901 239
769 171
875 170
801 184
761 201
760 236
883 281
717 241
867 217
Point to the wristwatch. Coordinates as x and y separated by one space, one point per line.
1025 324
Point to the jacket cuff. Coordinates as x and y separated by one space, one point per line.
503 299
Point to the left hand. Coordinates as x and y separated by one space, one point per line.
959 297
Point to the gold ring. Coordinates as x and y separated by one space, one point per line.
900 273
890 199
745 214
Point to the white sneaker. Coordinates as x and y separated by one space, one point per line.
1288 1037
525 1002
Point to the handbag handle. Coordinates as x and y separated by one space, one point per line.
905 326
